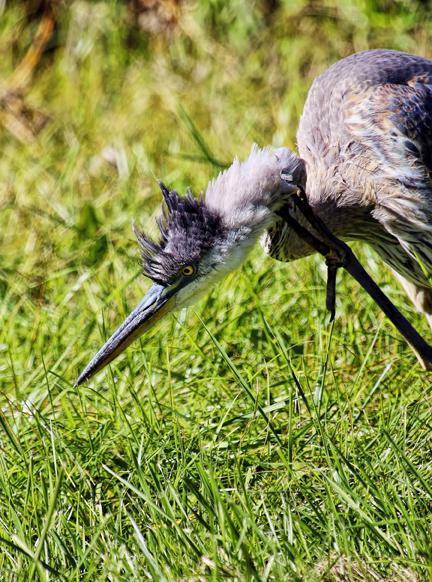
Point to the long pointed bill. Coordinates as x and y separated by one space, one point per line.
158 302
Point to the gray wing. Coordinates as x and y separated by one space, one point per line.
399 142
368 118
360 100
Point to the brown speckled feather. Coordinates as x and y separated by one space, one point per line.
366 137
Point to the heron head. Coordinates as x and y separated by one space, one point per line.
201 240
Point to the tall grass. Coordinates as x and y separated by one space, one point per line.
249 438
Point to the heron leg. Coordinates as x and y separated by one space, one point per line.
331 288
334 250
422 300
326 243
333 261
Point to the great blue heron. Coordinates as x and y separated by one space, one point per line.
365 166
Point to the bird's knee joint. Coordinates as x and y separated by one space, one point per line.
336 258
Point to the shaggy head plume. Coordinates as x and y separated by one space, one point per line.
239 203
188 229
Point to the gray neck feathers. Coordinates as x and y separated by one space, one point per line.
248 192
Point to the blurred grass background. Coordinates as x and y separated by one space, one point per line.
162 467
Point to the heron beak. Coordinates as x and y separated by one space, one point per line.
158 302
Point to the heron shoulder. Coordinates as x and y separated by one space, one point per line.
359 90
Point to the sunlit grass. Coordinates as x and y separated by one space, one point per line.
250 437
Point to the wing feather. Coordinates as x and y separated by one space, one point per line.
367 125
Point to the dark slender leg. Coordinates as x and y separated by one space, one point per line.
333 262
339 254
331 288
354 267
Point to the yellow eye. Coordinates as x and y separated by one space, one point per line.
188 270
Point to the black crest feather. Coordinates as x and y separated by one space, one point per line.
188 229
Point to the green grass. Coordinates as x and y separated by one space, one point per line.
249 438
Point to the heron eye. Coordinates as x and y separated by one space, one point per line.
188 270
